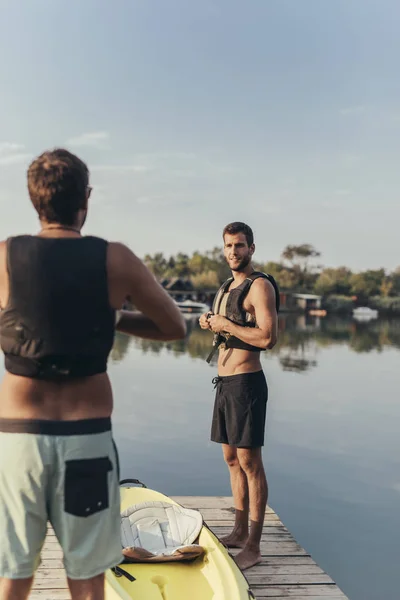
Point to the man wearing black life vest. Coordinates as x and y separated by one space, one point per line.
244 321
60 294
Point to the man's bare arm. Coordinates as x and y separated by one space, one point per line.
262 298
3 276
137 324
158 318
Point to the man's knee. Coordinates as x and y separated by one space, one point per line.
15 589
230 456
250 460
87 589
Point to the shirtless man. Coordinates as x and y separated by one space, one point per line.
245 320
60 293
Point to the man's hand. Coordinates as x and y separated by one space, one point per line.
218 323
204 322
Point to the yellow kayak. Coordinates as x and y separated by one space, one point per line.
212 576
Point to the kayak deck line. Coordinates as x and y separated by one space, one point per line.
287 571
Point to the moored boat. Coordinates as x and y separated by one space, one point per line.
171 574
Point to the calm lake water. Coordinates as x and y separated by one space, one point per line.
332 449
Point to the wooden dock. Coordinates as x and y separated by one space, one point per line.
287 571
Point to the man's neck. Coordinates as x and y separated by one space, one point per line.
58 230
240 276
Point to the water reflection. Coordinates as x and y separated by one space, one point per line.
120 347
300 338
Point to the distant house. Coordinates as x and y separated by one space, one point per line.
291 301
179 288
182 289
178 284
307 301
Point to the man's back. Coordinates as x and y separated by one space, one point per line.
57 321
59 297
56 327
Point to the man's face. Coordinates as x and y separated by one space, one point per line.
237 253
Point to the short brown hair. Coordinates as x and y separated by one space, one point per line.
239 227
58 184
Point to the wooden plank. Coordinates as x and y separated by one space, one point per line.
267 569
268 523
294 592
216 515
227 513
292 579
50 595
51 563
200 502
287 561
52 553
274 533
53 584
278 549
44 573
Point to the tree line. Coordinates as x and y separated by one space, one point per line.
298 269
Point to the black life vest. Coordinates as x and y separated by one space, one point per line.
230 305
58 323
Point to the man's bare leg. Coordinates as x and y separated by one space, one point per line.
87 589
250 460
15 589
237 538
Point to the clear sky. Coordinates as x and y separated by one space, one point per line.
281 113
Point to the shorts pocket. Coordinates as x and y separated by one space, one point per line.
86 486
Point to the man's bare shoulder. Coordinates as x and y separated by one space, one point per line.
263 287
120 256
3 249
124 265
119 249
3 273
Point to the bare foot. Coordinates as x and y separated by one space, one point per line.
234 540
247 558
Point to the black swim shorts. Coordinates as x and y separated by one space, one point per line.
240 410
